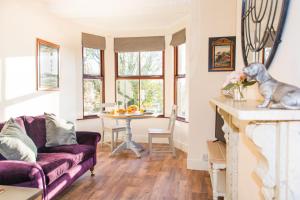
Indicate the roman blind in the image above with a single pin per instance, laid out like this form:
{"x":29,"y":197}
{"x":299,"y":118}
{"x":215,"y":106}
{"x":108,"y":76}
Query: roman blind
{"x":93,"y":41}
{"x":134,"y":44}
{"x":178,"y":38}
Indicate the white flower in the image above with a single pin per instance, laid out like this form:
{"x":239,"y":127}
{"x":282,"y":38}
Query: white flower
{"x":235,"y":77}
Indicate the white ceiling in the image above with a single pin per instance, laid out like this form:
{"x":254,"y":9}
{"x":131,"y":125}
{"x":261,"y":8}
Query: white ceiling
{"x":120,"y":14}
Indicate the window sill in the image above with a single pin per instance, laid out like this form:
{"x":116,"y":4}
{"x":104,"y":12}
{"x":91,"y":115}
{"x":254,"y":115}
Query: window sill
{"x":181,"y":119}
{"x":97,"y":117}
{"x":88,"y":117}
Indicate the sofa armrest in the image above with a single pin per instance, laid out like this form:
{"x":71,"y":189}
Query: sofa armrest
{"x":86,"y":137}
{"x":89,"y":138}
{"x":19,"y":172}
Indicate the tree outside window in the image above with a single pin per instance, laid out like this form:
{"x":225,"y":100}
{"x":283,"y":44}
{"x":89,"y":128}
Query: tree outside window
{"x":140,"y":80}
{"x":93,"y":81}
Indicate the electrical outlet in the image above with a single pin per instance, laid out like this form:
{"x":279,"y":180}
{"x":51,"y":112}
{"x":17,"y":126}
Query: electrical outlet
{"x":205,"y":157}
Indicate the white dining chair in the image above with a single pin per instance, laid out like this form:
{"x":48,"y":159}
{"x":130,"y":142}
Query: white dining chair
{"x":164,"y":133}
{"x":113,"y":128}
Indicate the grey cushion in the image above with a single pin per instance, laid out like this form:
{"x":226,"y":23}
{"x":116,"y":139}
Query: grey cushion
{"x":15,"y":143}
{"x":59,"y":131}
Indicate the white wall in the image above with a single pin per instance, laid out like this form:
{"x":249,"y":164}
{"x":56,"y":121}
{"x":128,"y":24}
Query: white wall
{"x":21,"y":23}
{"x":285,"y":67}
{"x":208,"y":19}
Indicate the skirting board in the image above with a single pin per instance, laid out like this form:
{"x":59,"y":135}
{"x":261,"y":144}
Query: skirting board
{"x":144,"y":139}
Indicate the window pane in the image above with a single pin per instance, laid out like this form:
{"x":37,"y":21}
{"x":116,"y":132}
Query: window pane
{"x":128,"y":64}
{"x":152,"y":95}
{"x":127,"y":92}
{"x":181,"y":59}
{"x":91,"y":59}
{"x":182,"y":97}
{"x":151,"y":63}
{"x":92,"y":96}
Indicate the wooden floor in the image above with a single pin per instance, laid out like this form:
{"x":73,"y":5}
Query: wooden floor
{"x":124,"y":177}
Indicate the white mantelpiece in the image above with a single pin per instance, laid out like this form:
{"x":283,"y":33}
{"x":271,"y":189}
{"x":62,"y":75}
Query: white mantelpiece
{"x":276,"y":135}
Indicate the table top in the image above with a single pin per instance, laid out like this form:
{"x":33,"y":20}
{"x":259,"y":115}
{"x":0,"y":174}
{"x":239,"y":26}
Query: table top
{"x":20,"y":193}
{"x":128,"y":116}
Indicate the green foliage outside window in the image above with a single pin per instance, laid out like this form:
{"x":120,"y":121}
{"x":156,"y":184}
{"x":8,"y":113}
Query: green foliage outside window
{"x":142,"y":89}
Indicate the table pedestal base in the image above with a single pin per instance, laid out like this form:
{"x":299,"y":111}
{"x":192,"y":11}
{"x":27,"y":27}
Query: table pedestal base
{"x":131,"y":145}
{"x":128,"y":143}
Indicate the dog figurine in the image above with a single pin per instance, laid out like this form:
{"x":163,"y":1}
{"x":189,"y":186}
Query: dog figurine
{"x":281,"y":95}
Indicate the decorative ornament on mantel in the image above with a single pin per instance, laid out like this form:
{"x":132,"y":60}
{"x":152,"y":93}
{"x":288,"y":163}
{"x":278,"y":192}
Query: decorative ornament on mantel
{"x":235,"y":86}
{"x":277,"y":95}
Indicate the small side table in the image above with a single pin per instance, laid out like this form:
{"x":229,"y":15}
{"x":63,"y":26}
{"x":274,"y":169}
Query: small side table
{"x":20,"y":193}
{"x":217,"y":167}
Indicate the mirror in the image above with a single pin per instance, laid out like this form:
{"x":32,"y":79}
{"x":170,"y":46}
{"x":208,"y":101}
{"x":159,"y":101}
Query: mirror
{"x":262,"y":25}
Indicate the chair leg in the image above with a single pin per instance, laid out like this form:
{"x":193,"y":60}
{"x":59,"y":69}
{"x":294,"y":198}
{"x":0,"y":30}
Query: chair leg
{"x":150,"y":144}
{"x":112,"y":143}
{"x":102,"y":138}
{"x":117,"y":137}
{"x":171,"y":142}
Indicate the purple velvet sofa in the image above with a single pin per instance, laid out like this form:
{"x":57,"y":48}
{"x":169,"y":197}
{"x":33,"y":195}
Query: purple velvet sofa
{"x":56,"y":167}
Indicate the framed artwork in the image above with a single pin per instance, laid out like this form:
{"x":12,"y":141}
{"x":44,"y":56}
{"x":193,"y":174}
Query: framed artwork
{"x":221,"y":54}
{"x":47,"y":65}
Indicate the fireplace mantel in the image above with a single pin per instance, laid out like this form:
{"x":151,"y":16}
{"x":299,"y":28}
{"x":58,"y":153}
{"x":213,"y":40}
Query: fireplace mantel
{"x":247,"y":111}
{"x":276,"y":136}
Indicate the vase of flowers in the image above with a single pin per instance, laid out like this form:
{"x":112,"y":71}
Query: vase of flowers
{"x":236,"y":85}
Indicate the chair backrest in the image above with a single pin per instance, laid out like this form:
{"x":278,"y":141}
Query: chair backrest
{"x":106,"y":107}
{"x":172,"y":120}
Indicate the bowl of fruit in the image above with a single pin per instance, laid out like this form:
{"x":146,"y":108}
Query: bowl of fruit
{"x":132,"y":109}
{"x":120,"y":111}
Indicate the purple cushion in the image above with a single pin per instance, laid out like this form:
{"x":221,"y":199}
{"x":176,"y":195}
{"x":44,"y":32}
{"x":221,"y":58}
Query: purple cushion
{"x":55,"y":161}
{"x":82,"y":151}
{"x":36,"y":130}
{"x":55,"y":165}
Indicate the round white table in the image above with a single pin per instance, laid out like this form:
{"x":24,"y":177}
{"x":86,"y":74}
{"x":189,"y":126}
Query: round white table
{"x":128,"y":142}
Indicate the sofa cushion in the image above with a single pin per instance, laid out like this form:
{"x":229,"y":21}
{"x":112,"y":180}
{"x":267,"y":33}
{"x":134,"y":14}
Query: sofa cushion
{"x":82,"y":151}
{"x":59,"y":131}
{"x":55,"y":165}
{"x":19,"y":121}
{"x":36,"y":129}
{"x":55,"y":161}
{"x":15,"y":143}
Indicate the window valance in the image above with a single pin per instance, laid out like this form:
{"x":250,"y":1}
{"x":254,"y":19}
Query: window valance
{"x":178,"y":38}
{"x":93,"y":41}
{"x":134,"y":44}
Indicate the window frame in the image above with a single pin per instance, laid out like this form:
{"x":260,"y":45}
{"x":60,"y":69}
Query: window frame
{"x":95,"y":77}
{"x":177,"y":76}
{"x":141,"y":77}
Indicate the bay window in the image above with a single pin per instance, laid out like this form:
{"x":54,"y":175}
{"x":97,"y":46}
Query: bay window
{"x":93,"y":81}
{"x":180,"y":83}
{"x":140,"y":80}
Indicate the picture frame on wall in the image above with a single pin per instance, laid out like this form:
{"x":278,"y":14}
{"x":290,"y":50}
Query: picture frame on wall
{"x":221,"y":54}
{"x":47,"y":65}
